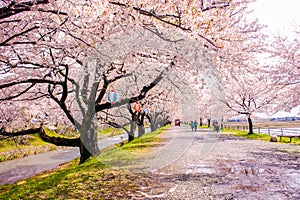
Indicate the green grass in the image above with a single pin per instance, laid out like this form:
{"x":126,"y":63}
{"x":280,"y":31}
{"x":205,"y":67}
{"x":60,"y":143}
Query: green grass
{"x":287,"y":140}
{"x":148,"y":140}
{"x":109,"y":131}
{"x":127,"y":155}
{"x":22,"y":146}
{"x":53,"y":133}
{"x":257,"y":136}
{"x":92,"y":180}
{"x":23,"y":142}
{"x":204,"y":126}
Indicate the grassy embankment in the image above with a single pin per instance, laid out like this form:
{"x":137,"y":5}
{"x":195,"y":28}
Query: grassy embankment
{"x":95,"y":179}
{"x":22,"y":146}
{"x":267,"y":124}
{"x":262,"y":137}
{"x":257,"y":136}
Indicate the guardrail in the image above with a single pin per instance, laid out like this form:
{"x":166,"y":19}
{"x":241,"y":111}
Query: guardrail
{"x":269,"y":131}
{"x":235,"y":127}
{"x":278,"y":131}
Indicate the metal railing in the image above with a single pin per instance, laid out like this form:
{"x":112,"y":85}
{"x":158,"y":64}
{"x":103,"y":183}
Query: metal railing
{"x":264,"y":130}
{"x":278,"y":131}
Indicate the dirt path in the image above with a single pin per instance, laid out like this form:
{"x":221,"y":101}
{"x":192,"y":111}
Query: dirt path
{"x":202,"y":165}
{"x":208,"y":165}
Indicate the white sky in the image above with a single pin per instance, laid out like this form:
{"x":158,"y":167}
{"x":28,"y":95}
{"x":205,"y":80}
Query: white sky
{"x":279,"y":15}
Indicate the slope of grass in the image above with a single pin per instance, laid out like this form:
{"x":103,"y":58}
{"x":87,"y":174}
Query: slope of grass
{"x":257,"y":136}
{"x":109,"y":132}
{"x":23,"y":146}
{"x":127,"y":155}
{"x":92,"y":180}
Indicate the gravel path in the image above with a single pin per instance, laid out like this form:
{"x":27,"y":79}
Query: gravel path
{"x":207,"y":165}
{"x":199,"y":165}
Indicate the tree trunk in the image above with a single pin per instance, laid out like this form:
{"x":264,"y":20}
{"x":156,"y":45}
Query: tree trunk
{"x":132,"y":130}
{"x":141,"y":127}
{"x":155,"y":123}
{"x":250,"y":126}
{"x":130,"y":137}
{"x":88,"y":146}
{"x":208,"y":123}
{"x":141,"y":130}
{"x":152,"y":127}
{"x":88,"y":140}
{"x":84,"y":153}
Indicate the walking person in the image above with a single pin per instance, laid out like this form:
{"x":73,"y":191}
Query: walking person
{"x":192,"y":124}
{"x":196,"y":124}
{"x":216,"y":126}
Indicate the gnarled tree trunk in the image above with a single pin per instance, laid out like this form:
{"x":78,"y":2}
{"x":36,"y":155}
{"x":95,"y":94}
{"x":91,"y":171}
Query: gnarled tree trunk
{"x":132,"y":130}
{"x":141,"y":130}
{"x":84,"y":153}
{"x":141,"y":127}
{"x":250,"y":125}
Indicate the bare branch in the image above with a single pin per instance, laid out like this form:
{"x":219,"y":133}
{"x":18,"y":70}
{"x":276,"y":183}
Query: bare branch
{"x":151,"y":13}
{"x":215,"y":5}
{"x":4,"y":43}
{"x":58,"y":141}
{"x":32,"y":80}
{"x":15,"y":8}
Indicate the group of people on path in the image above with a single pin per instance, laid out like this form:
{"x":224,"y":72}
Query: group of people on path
{"x":194,"y":125}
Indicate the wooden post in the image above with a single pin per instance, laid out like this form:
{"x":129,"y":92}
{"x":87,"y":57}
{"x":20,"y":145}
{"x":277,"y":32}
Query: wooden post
{"x":281,"y":134}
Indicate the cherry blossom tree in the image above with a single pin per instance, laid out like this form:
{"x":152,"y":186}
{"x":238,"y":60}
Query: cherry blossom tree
{"x":45,"y":44}
{"x":149,"y":66}
{"x":248,"y":94}
{"x":285,"y":70}
{"x":130,"y":86}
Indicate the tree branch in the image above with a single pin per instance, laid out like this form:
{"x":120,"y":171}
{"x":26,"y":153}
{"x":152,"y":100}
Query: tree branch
{"x":4,"y":43}
{"x":58,"y":141}
{"x":215,"y":5}
{"x":152,"y":13}
{"x":134,"y":99}
{"x":32,"y":80}
{"x":15,"y":8}
{"x":19,"y":93}
{"x":210,"y":41}
{"x":115,"y":125}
